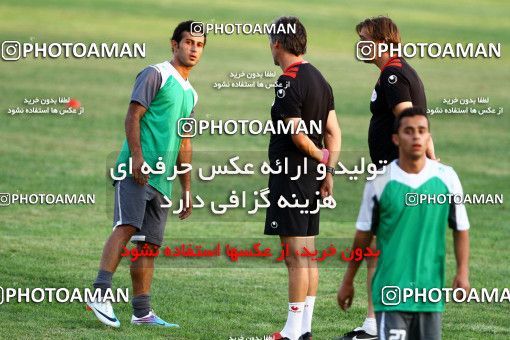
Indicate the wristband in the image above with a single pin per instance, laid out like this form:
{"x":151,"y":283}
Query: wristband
{"x":325,"y":156}
{"x":331,"y":170}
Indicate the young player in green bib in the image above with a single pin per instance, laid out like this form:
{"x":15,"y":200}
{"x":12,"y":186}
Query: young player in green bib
{"x":411,"y":235}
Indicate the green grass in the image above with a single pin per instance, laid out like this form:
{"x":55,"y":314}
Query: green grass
{"x":59,"y":246}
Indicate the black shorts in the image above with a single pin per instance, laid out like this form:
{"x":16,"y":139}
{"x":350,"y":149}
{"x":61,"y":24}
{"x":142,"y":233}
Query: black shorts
{"x":409,"y":325}
{"x":293,"y":221}
{"x":140,"y":206}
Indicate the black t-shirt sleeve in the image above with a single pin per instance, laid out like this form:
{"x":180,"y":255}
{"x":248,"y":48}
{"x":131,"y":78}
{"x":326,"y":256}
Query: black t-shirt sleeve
{"x":395,"y":86}
{"x":331,"y":101}
{"x":287,"y":101}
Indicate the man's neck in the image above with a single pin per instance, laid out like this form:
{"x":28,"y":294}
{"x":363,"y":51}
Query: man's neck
{"x":380,"y":62}
{"x":289,"y":59}
{"x":412,"y":166}
{"x":183,"y":70}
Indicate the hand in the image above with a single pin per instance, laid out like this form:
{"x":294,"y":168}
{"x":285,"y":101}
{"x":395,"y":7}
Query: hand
{"x":345,"y":295}
{"x":327,"y":186}
{"x":430,"y":152}
{"x":461,"y":281}
{"x":139,"y":178}
{"x":188,"y":205}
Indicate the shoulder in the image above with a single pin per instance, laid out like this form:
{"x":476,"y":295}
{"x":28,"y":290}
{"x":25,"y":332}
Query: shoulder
{"x":440,"y":168}
{"x":380,"y":182}
{"x":149,"y":77}
{"x":298,"y":71}
{"x":150,"y":74}
{"x":446,"y":173}
{"x":392,"y":74}
{"x":149,"y":71}
{"x":165,"y":71}
{"x":292,"y":70}
{"x":161,"y":67}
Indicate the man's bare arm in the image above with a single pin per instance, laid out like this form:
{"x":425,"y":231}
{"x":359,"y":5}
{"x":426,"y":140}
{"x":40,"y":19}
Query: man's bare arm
{"x":333,"y":138}
{"x":332,"y":142}
{"x":397,"y":109}
{"x":461,"y":244}
{"x":184,"y":157}
{"x":304,"y":143}
{"x":345,"y":294}
{"x":132,"y":126}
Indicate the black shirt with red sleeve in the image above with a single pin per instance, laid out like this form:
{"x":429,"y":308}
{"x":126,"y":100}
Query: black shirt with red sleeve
{"x":397,"y":83}
{"x":302,"y":92}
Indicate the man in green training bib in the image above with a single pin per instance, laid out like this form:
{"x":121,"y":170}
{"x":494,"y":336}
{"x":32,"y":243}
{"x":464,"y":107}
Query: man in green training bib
{"x":162,"y":96}
{"x":411,"y":235}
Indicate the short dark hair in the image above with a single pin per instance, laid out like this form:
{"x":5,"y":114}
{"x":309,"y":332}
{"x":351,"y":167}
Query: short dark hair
{"x":380,"y":28}
{"x":410,"y":112}
{"x":186,"y":26}
{"x":292,"y":42}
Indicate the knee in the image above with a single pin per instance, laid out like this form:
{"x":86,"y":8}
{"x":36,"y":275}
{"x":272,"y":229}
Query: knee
{"x":147,"y":246}
{"x":126,"y":231}
{"x":296,"y":261}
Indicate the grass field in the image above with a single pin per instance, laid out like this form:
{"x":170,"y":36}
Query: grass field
{"x":60,"y":246}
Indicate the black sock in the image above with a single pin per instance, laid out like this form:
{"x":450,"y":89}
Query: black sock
{"x":103,"y":281}
{"x":141,"y":305}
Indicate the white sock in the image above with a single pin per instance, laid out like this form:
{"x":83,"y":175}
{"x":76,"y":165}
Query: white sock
{"x":306,"y":325}
{"x":370,"y":326}
{"x":292,"y":329}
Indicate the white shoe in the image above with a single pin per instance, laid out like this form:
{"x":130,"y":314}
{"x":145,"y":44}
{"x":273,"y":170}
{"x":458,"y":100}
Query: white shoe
{"x":151,"y":319}
{"x":104,"y":312}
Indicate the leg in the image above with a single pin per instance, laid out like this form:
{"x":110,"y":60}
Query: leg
{"x":109,"y":262}
{"x":313,"y":284}
{"x":113,"y":247}
{"x":111,"y":256}
{"x":313,"y":270}
{"x":128,"y":212}
{"x":297,"y":267}
{"x":142,"y":271}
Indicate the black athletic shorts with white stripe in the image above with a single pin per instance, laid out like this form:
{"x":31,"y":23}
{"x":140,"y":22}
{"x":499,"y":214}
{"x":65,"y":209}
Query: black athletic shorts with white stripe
{"x":140,"y":206}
